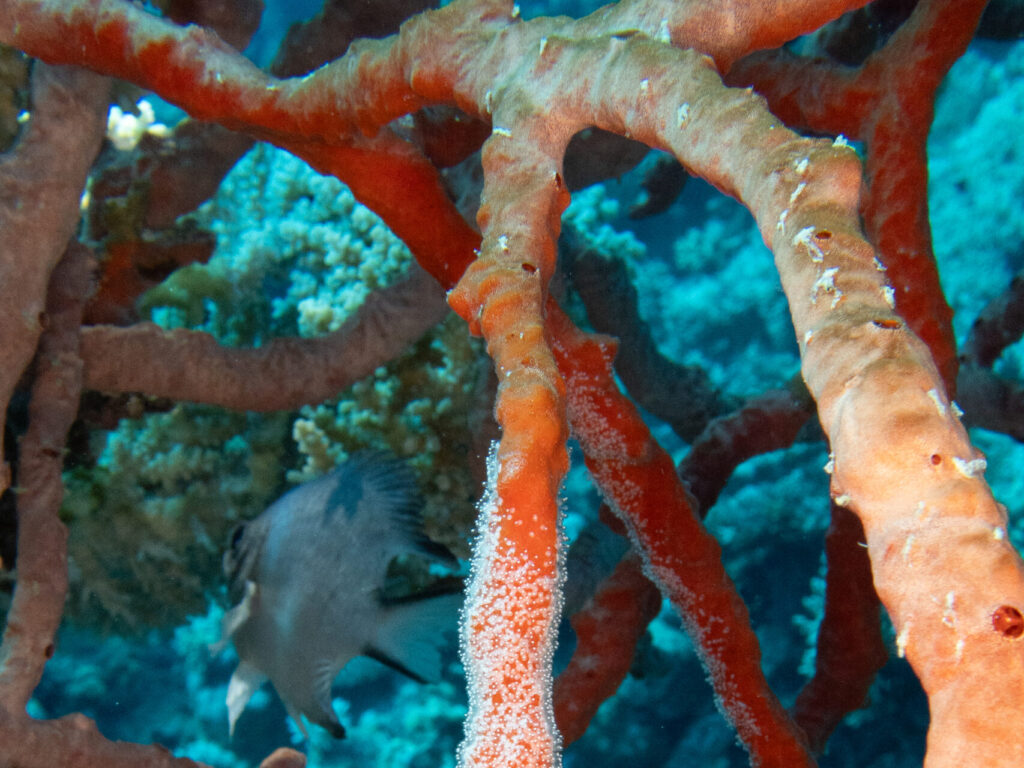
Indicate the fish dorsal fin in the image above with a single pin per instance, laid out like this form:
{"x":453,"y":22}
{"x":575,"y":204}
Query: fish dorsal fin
{"x":372,"y":483}
{"x":411,"y":634}
{"x":244,"y":682}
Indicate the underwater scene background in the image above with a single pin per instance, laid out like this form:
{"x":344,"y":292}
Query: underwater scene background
{"x":151,"y":501}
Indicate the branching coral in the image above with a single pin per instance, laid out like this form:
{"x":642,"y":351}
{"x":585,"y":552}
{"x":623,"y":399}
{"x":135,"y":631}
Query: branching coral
{"x":902,"y":462}
{"x":170,"y":486}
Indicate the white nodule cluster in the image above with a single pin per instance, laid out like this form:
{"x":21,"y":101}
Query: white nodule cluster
{"x":126,"y":129}
{"x":504,"y":725}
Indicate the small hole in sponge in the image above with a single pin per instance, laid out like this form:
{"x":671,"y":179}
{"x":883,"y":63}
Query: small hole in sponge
{"x":1008,"y":621}
{"x":887,"y":323}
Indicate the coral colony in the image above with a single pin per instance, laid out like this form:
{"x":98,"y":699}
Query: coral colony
{"x":180,"y":344}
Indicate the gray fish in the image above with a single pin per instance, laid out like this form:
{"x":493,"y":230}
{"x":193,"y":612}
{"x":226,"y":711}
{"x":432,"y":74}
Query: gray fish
{"x":312,"y":568}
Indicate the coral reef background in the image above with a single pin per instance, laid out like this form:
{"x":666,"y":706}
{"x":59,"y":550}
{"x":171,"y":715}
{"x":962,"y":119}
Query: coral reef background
{"x":150,"y":508}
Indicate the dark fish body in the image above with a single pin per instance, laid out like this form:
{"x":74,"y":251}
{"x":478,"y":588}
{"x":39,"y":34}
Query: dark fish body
{"x":312,"y":568}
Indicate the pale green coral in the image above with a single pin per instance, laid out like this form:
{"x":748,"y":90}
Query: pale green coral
{"x":590,"y":214}
{"x":188,"y":290}
{"x":149,"y":521}
{"x":296,"y":255}
{"x":301,"y":253}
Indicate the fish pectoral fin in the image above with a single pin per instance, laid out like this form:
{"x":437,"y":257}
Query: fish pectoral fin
{"x":244,"y":682}
{"x":236,"y":617}
{"x":411,"y":634}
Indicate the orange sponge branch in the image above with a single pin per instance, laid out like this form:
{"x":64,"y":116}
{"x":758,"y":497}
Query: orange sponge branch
{"x":639,"y":481}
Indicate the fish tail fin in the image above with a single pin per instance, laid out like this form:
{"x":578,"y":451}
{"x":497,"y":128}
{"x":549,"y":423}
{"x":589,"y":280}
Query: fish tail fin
{"x":412,"y":633}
